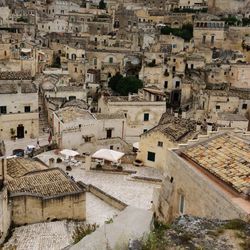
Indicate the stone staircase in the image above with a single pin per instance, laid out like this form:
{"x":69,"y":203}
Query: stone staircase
{"x":43,"y":118}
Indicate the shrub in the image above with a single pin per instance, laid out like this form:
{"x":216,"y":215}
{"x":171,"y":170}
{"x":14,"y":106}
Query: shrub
{"x":83,"y":230}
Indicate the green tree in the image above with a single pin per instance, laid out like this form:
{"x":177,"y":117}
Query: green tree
{"x":102,"y":5}
{"x":125,"y":85}
{"x":113,"y":82}
{"x":186,"y":32}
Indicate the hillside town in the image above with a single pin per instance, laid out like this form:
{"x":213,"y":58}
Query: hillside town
{"x":124,"y":124}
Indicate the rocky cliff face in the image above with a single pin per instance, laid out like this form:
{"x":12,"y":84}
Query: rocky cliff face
{"x":189,"y":232}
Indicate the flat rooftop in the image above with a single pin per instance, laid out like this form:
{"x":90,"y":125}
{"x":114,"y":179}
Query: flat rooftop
{"x":225,"y":156}
{"x":45,"y":183}
{"x":71,"y":113}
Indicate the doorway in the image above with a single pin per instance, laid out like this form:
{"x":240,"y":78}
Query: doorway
{"x":20,"y":131}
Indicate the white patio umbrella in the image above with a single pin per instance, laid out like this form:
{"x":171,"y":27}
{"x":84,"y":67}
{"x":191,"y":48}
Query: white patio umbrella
{"x":69,"y":153}
{"x":108,"y":154}
{"x":136,"y":145}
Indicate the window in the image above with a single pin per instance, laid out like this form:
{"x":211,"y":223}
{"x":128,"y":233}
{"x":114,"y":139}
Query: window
{"x":174,"y":60}
{"x":111,"y":147}
{"x":125,"y":114}
{"x":204,"y":39}
{"x":111,"y":60}
{"x":87,"y":139}
{"x":217,"y":107}
{"x":109,"y":133}
{"x":146,"y":116}
{"x":151,"y":156}
{"x":160,"y":144}
{"x":72,"y":97}
{"x":75,"y":70}
{"x":212,"y":40}
{"x":244,"y":106}
{"x":3,"y":110}
{"x":181,"y":204}
{"x":177,"y":84}
{"x":166,"y":84}
{"x":145,"y":130}
{"x":95,"y":61}
{"x":26,"y":109}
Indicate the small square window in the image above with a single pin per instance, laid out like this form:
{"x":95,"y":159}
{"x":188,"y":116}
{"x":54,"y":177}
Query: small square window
{"x":217,"y":107}
{"x":160,"y":144}
{"x":145,"y":130}
{"x":146,"y":116}
{"x":244,"y":106}
{"x":3,"y":110}
{"x":26,"y":109}
{"x":151,"y":156}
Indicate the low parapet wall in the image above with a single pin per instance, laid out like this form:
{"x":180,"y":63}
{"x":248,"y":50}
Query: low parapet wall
{"x":109,"y":199}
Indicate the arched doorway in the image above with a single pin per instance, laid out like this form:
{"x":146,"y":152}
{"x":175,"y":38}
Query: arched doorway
{"x":20,"y":131}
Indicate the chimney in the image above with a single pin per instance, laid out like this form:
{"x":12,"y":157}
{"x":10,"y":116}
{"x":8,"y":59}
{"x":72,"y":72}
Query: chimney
{"x":87,"y":161}
{"x":51,"y":162}
{"x":184,"y":114}
{"x":209,"y":127}
{"x":198,"y":126}
{"x":87,"y":4}
{"x":129,"y":97}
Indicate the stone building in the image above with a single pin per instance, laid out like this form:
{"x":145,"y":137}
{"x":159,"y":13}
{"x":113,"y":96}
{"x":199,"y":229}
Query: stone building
{"x":44,"y":196}
{"x":78,"y":128}
{"x":18,"y":109}
{"x":167,"y":134}
{"x":142,"y":111}
{"x":209,"y":33}
{"x":229,"y":6}
{"x":208,"y":178}
{"x":5,"y":210}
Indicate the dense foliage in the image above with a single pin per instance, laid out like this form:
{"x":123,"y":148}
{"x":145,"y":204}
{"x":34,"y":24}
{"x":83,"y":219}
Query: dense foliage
{"x":186,"y":32}
{"x":125,"y":85}
{"x":102,"y":5}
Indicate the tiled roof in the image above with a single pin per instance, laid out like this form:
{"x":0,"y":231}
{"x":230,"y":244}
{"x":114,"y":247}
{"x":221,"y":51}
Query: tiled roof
{"x":17,"y":167}
{"x":225,"y":156}
{"x":100,"y":116}
{"x":18,"y":75}
{"x":46,"y":183}
{"x":175,"y":128}
{"x":13,"y":88}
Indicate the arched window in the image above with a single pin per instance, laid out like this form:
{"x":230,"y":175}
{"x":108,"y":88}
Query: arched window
{"x":73,"y":57}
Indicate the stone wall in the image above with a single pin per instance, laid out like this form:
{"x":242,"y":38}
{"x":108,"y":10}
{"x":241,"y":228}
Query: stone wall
{"x":33,"y":209}
{"x":202,"y":197}
{"x":5,"y":214}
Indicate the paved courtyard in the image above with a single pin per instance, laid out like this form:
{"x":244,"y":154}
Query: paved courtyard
{"x":57,"y":235}
{"x":132,"y":192}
